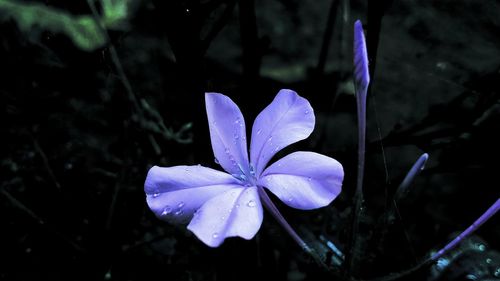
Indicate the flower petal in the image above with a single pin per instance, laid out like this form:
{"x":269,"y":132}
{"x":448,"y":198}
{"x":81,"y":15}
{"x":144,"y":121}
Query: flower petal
{"x":288,"y":119}
{"x":304,"y":180}
{"x":227,"y":133}
{"x":237,"y":212}
{"x":175,"y":193}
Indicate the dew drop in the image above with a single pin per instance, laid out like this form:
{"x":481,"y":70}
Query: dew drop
{"x":306,"y":112}
{"x":156,"y":195}
{"x":222,"y":218}
{"x":216,"y":161}
{"x":270,"y":139}
{"x":215,"y":235}
{"x":252,"y":170}
{"x":259,"y":132}
{"x":251,"y":203}
{"x":166,"y":211}
{"x":290,"y":199}
{"x":178,"y":212}
{"x":309,"y":179}
{"x":237,"y":205}
{"x":181,"y":204}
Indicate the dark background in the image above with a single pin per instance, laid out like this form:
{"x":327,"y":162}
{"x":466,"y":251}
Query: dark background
{"x":81,"y":127}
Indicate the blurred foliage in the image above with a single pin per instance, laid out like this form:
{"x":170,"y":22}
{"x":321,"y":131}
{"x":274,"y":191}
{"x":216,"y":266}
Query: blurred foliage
{"x":83,"y":30}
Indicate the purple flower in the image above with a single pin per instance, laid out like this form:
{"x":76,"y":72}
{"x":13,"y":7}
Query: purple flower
{"x":218,"y":205}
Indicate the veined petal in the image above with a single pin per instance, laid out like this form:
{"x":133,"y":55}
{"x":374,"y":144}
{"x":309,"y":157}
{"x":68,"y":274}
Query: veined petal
{"x":237,"y":212}
{"x":304,"y":180}
{"x":288,"y":119}
{"x":227,"y":133}
{"x":175,"y":193}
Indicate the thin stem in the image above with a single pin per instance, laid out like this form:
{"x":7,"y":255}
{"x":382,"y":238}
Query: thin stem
{"x":271,"y":208}
{"x":482,"y":219}
{"x":46,"y":163}
{"x":428,"y":261}
{"x":327,"y":36}
{"x":269,"y":205}
{"x":116,"y":60}
{"x":361,"y":83}
{"x":21,"y":206}
{"x":358,"y":196}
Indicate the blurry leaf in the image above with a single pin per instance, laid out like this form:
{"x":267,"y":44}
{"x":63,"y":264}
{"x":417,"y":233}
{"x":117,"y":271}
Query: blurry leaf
{"x":115,"y":13}
{"x":82,"y":30}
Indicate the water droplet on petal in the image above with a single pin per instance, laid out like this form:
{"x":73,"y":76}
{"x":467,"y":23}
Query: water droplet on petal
{"x":252,"y":170}
{"x":309,"y":179}
{"x":178,"y":212}
{"x":270,"y":139}
{"x":216,"y":161}
{"x":166,"y":211}
{"x":156,"y":195}
{"x":290,"y":199}
{"x":259,"y":132}
{"x":222,"y":218}
{"x":306,"y":112}
{"x":181,"y":204}
{"x":251,"y":203}
{"x":215,"y":235}
{"x":237,"y":205}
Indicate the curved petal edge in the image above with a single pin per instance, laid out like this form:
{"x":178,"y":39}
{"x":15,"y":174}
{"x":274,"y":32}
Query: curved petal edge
{"x":288,"y":119}
{"x":304,"y":180}
{"x":237,"y":212}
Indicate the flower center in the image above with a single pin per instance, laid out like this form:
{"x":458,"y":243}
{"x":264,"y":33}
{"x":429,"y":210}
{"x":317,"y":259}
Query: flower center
{"x":247,"y":178}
